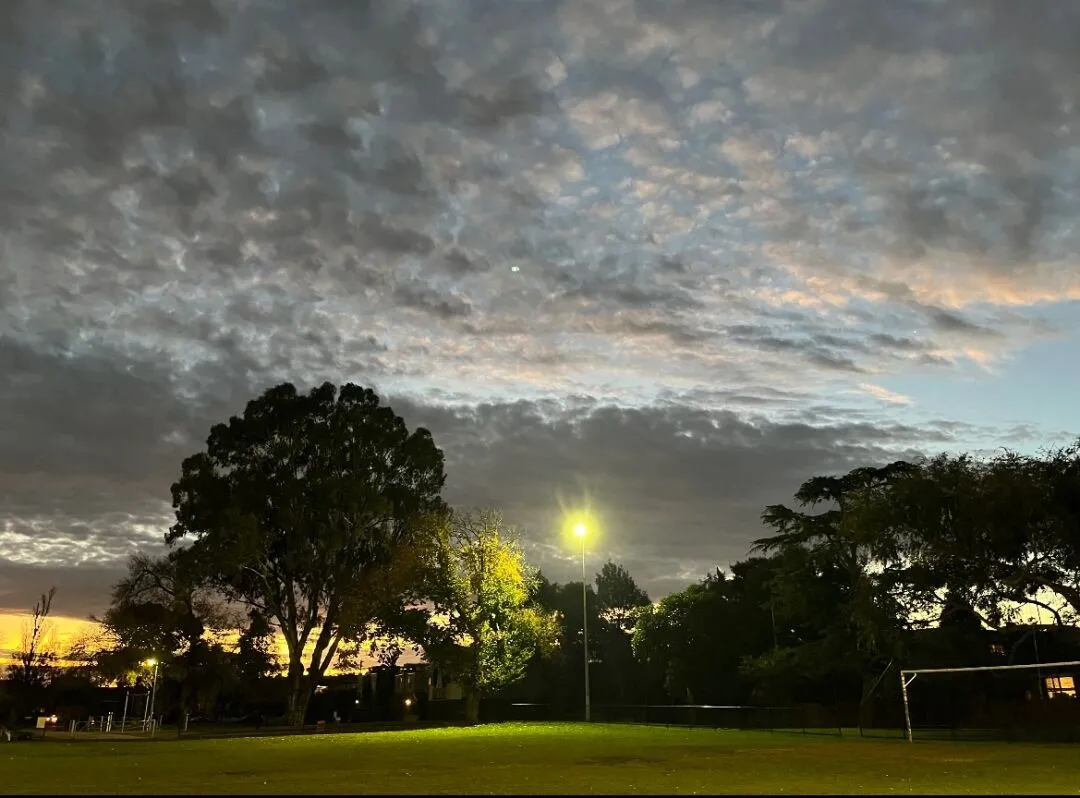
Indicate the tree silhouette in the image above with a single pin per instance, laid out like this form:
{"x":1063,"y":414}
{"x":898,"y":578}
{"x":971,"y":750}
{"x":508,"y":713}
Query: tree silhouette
{"x":35,"y":661}
{"x":293,"y":506}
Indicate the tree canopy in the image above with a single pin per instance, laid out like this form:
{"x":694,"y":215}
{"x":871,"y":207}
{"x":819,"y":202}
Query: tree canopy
{"x":618,"y":596}
{"x":472,"y":614}
{"x":293,"y":505}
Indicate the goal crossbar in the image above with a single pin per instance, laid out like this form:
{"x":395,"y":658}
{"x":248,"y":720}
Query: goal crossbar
{"x":905,"y":681}
{"x":917,"y":671}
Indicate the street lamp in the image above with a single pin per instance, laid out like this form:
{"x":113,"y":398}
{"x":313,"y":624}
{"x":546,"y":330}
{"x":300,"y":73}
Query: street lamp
{"x":153,"y":692}
{"x":580,"y":530}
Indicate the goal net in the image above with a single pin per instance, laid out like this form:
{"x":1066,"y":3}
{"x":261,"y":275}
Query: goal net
{"x":1011,"y":702}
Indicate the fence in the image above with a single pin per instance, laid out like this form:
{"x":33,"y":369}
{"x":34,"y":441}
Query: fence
{"x":108,"y":726}
{"x":1056,"y":720}
{"x":1047,"y":720}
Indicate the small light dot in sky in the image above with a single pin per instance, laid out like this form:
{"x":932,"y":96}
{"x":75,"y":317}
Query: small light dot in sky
{"x":515,"y":268}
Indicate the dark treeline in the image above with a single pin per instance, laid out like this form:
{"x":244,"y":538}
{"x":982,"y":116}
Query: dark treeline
{"x":317,"y":520}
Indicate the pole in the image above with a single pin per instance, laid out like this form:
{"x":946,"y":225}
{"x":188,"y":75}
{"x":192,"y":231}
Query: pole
{"x":1035,"y":642}
{"x":904,"y":682}
{"x":585,"y":630}
{"x":153,"y":693}
{"x":123,"y":722}
{"x":772,"y":615}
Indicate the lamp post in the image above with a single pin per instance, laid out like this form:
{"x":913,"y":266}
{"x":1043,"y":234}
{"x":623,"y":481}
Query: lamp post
{"x":580,"y":531}
{"x":153,"y":690}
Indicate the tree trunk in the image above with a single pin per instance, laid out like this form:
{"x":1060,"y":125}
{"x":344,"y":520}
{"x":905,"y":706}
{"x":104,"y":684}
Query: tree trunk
{"x":472,"y":706}
{"x":299,"y":694}
{"x":185,"y":701}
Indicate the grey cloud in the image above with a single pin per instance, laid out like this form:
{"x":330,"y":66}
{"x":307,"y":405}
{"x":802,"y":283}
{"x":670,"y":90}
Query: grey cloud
{"x":378,"y":234}
{"x":753,"y":397}
{"x":953,"y":322}
{"x":902,"y":344}
{"x":198,"y":199}
{"x":80,"y":591}
{"x":962,"y":113}
{"x":951,"y":218}
{"x":670,"y":484}
{"x":677,"y":487}
{"x":254,"y":144}
{"x":518,"y":97}
{"x":678,"y":334}
{"x":460,"y":263}
{"x":418,"y":295}
{"x":99,"y":438}
{"x":814,"y":351}
{"x":89,"y":478}
{"x":86,"y":414}
{"x":628,"y":290}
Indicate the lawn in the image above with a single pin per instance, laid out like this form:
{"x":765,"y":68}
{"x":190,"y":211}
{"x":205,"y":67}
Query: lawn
{"x":539,"y":758}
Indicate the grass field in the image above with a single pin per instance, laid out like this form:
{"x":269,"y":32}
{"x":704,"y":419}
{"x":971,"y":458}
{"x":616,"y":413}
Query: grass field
{"x":539,"y":758}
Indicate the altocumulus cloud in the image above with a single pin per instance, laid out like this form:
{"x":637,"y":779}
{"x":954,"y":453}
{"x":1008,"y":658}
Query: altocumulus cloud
{"x":660,"y":253}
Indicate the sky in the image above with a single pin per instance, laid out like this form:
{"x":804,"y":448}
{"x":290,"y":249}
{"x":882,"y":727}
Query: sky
{"x":668,"y":258}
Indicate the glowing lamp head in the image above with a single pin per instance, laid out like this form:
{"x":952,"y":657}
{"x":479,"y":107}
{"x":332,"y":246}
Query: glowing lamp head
{"x":408,"y":702}
{"x":151,"y":662}
{"x":580,"y":530}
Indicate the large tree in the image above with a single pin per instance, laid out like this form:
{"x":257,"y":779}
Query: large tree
{"x":996,"y":534}
{"x":473,"y":615}
{"x":295,"y":504}
{"x":838,"y":575}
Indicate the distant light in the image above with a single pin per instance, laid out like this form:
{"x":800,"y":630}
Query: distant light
{"x":408,"y":702}
{"x":357,"y":701}
{"x":515,"y":268}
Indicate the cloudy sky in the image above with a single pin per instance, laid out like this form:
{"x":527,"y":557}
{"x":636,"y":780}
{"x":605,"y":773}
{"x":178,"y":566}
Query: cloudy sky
{"x":673,"y":256}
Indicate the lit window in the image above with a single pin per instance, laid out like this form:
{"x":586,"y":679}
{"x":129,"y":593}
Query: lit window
{"x":1060,"y":687}
{"x":997,"y":648}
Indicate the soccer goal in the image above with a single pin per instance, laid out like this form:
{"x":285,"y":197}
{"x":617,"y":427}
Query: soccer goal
{"x":1007,"y":699}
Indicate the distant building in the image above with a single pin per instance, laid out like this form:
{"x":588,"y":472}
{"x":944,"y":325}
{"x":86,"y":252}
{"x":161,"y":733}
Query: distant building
{"x":416,"y":679}
{"x":381,"y":693}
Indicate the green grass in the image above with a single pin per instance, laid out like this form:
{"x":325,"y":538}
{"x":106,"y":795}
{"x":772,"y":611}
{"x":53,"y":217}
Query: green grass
{"x":539,"y":758}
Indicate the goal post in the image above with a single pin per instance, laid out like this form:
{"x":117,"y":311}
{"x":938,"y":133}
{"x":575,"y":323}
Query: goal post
{"x":908,"y":675}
